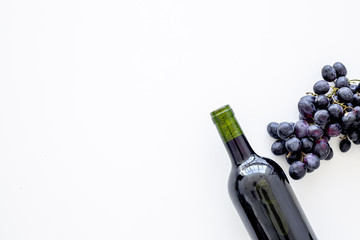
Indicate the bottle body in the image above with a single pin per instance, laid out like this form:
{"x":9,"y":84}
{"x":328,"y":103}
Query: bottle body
{"x":259,"y":188}
{"x":262,"y":196}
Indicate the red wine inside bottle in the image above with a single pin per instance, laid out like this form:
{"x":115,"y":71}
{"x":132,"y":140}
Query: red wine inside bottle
{"x":259,"y":188}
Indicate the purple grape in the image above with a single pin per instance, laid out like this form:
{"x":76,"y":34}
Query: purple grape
{"x":330,"y":155}
{"x":328,"y":73}
{"x":321,"y":87}
{"x":356,"y":99}
{"x":321,"y":148}
{"x":293,"y":144}
{"x":300,"y":128}
{"x":353,"y":87}
{"x":278,"y":147}
{"x":314,"y":131}
{"x":285,"y":129}
{"x":340,"y":69}
{"x":356,"y":110}
{"x":297,"y":170}
{"x":345,"y":145}
{"x":322,"y":117}
{"x":293,"y":156}
{"x":306,"y":145}
{"x":272,"y":130}
{"x":333,"y":129}
{"x":348,"y":119}
{"x":311,"y":161}
{"x":345,"y":94}
{"x":342,"y":82}
{"x":306,"y":108}
{"x":353,"y":135}
{"x":321,"y":101}
{"x":308,"y":97}
{"x":336,"y":111}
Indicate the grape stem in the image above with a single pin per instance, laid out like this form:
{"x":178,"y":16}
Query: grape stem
{"x":313,"y":94}
{"x":302,"y":157}
{"x":343,"y":137}
{"x":334,"y":90}
{"x":341,"y":104}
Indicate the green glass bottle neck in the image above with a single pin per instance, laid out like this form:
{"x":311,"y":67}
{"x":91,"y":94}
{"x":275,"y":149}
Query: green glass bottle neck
{"x":234,"y":140}
{"x":226,"y":123}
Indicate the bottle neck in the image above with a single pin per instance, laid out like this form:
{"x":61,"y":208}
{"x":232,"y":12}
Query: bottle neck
{"x":234,"y":140}
{"x":239,"y":149}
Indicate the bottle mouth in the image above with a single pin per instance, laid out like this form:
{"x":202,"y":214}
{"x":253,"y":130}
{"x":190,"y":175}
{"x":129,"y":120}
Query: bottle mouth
{"x":220,"y":114}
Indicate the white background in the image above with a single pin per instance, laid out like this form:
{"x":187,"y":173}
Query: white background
{"x":105,"y":130}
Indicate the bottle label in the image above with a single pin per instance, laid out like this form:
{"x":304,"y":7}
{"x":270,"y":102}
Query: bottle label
{"x":229,"y":128}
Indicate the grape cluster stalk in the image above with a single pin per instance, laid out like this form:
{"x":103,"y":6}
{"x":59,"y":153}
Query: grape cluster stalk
{"x":331,"y":110}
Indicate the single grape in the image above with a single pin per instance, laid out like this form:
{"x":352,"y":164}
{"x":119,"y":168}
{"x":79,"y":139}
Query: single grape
{"x":328,"y":73}
{"x":336,"y":111}
{"x":356,"y":110}
{"x":278,"y":147}
{"x":333,"y":129}
{"x":330,"y":155}
{"x":314,"y":131}
{"x":340,"y":69}
{"x":293,"y":156}
{"x":345,"y":94}
{"x":312,"y":161}
{"x":356,"y":99}
{"x":322,"y":117}
{"x":342,"y":82}
{"x":300,"y":128}
{"x":297,"y":170}
{"x":321,"y":101}
{"x":345,"y":145}
{"x":285,"y":129}
{"x":272,"y":129}
{"x":293,"y":144}
{"x":321,"y":148}
{"x":348,"y":119}
{"x":306,"y":108}
{"x":308,"y":97}
{"x":321,"y":87}
{"x":306,"y":145}
{"x":353,"y":88}
{"x":353,"y":135}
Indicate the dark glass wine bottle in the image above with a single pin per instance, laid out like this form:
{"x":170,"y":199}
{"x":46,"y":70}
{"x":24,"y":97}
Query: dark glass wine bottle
{"x":259,"y":188}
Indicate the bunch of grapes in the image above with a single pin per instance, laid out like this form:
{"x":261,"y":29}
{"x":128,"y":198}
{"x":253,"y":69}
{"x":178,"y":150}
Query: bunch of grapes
{"x":332,"y":110}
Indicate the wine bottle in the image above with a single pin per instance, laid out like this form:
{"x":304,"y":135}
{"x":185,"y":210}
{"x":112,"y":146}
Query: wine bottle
{"x":259,"y":188}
